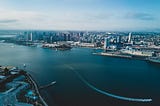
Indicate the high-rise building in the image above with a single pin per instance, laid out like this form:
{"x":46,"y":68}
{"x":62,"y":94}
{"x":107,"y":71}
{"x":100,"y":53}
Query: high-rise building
{"x":106,"y":42}
{"x":130,"y":37}
{"x":31,"y":37}
{"x":65,"y":37}
{"x":69,"y":37}
{"x":119,"y":38}
{"x":51,"y":39}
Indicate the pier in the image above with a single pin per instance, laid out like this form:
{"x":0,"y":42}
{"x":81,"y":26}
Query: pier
{"x":113,"y":55}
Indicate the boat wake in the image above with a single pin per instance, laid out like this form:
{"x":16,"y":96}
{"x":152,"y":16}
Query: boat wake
{"x":106,"y":93}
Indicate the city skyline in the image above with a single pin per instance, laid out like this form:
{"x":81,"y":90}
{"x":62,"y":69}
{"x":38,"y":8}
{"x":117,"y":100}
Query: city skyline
{"x":80,"y":15}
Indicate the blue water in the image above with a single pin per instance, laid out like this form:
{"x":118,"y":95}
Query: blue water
{"x":107,"y":93}
{"x":120,"y":77}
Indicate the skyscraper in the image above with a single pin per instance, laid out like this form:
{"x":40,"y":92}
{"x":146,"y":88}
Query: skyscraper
{"x":119,"y":39}
{"x":65,"y":37}
{"x":106,"y":42}
{"x":31,"y":37}
{"x":129,"y":37}
{"x":51,"y":39}
{"x":69,"y":37}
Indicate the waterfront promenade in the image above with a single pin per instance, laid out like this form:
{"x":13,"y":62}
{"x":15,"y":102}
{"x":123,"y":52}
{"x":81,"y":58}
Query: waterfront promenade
{"x":36,"y":89}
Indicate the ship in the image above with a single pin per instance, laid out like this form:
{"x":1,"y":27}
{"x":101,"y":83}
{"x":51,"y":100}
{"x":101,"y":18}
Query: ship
{"x":48,"y":85}
{"x":154,"y":60}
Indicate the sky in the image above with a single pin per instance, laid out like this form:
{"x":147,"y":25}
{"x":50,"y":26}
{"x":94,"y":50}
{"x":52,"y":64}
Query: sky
{"x":117,"y":15}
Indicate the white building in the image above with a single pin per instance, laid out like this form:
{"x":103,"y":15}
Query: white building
{"x":106,"y":42}
{"x":130,"y":37}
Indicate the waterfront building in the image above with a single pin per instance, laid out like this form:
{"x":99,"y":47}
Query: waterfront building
{"x":134,"y":52}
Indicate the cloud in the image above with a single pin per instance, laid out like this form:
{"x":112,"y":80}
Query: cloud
{"x":99,"y":16}
{"x":140,"y":16}
{"x":8,"y":20}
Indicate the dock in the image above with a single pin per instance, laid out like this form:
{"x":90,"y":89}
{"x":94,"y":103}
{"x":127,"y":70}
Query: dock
{"x":113,"y":55}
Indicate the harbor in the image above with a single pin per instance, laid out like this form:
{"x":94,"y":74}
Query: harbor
{"x":105,"y":73}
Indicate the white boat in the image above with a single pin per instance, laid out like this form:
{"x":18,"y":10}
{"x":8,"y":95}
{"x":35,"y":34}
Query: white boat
{"x":154,"y":60}
{"x":48,"y":85}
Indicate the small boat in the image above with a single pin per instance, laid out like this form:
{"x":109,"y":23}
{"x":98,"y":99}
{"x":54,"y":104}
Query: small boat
{"x":48,"y":85}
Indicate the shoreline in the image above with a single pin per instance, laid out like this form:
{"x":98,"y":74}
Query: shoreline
{"x":36,"y":87}
{"x":19,"y":87}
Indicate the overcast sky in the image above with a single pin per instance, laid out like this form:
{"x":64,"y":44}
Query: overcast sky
{"x":80,"y":14}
